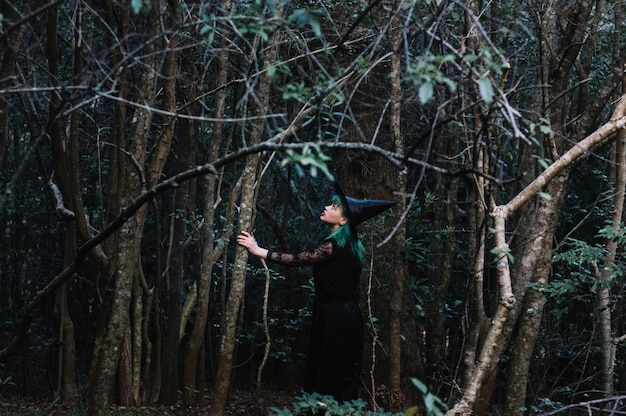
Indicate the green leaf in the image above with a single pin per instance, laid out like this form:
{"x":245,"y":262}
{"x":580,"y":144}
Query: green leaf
{"x":312,"y":157}
{"x":426,"y":91}
{"x":419,"y":384}
{"x":271,"y":71}
{"x":433,"y":405}
{"x":451,"y":85}
{"x":497,"y":251}
{"x":412,"y":411}
{"x":315,"y":25}
{"x":544,"y":162}
{"x":442,"y":59}
{"x":136,"y":5}
{"x":485,"y":87}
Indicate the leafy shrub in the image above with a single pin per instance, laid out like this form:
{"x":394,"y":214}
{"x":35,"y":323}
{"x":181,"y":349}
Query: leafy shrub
{"x":316,"y":404}
{"x":313,"y":404}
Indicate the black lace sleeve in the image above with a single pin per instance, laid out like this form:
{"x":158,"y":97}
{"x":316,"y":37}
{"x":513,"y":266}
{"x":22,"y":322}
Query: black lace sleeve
{"x":322,"y":252}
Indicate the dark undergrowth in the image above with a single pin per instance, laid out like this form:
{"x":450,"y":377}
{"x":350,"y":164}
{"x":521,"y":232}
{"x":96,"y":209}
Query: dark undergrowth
{"x":240,"y":403}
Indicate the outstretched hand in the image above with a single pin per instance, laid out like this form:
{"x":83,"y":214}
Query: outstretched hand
{"x":246,"y":240}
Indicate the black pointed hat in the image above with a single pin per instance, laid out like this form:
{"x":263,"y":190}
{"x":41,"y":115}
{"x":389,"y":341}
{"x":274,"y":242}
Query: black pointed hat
{"x":360,"y":210}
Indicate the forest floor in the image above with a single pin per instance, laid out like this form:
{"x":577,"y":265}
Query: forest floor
{"x":240,"y":403}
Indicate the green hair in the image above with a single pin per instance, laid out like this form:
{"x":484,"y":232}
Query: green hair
{"x":345,"y":235}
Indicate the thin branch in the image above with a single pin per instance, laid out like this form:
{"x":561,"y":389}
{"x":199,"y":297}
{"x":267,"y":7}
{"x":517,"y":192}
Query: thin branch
{"x":356,"y":23}
{"x":60,"y":209}
{"x":588,"y":405}
{"x":34,"y":14}
{"x":266,"y":330}
{"x":184,"y":116}
{"x":572,"y":156}
{"x":134,"y":162}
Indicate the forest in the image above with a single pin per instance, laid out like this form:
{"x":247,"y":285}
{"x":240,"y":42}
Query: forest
{"x":138,"y":138}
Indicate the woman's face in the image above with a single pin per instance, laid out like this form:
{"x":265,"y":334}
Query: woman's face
{"x":333,"y":216}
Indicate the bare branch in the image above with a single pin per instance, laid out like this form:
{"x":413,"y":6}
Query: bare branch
{"x":29,"y":17}
{"x":60,"y":208}
{"x":579,"y":150}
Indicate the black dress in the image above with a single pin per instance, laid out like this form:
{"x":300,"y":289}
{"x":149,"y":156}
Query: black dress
{"x":336,"y":343}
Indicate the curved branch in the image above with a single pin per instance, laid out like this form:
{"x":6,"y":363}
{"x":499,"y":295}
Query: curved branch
{"x":581,"y":149}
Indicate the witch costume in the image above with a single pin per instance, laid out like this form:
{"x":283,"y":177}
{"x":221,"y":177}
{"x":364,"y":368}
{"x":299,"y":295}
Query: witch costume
{"x":336,"y":338}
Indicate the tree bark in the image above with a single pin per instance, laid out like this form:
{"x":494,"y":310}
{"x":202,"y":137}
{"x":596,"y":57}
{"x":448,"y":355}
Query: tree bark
{"x":397,"y":293}
{"x":246,"y":215}
{"x":14,"y":41}
{"x":66,"y":385}
{"x":137,"y":337}
{"x":477,"y":225}
{"x":532,"y":264}
{"x":175,"y":276}
{"x":192,"y":375}
{"x":117,"y":15}
{"x":235,"y":294}
{"x":138,"y":174}
{"x":66,"y":382}
{"x":604,"y":308}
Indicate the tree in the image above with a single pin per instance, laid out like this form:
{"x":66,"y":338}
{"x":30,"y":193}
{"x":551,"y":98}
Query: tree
{"x":248,"y":200}
{"x":399,"y":265}
{"x":66,"y":386}
{"x":539,"y":270}
{"x":139,"y":170}
{"x":501,"y":249}
{"x":607,"y":273}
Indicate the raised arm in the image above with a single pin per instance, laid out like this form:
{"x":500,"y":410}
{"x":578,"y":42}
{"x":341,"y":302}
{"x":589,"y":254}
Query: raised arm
{"x":322,"y":252}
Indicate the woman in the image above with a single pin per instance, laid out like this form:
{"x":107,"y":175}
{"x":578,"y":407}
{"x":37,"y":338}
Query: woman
{"x":336,"y":342}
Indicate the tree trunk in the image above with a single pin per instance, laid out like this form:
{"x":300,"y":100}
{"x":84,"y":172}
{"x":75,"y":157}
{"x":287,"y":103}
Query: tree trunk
{"x":13,"y":45}
{"x":534,"y":265}
{"x":477,"y":225}
{"x":123,"y":393}
{"x":193,"y":374}
{"x":246,"y":213}
{"x":66,"y":385}
{"x":399,"y":276}
{"x":193,"y":371}
{"x":152,"y":376}
{"x":117,"y":16}
{"x":605,"y":326}
{"x":118,"y":321}
{"x":477,"y":222}
{"x":235,"y":295}
{"x":135,"y":181}
{"x":138,"y":319}
{"x":175,"y":273}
